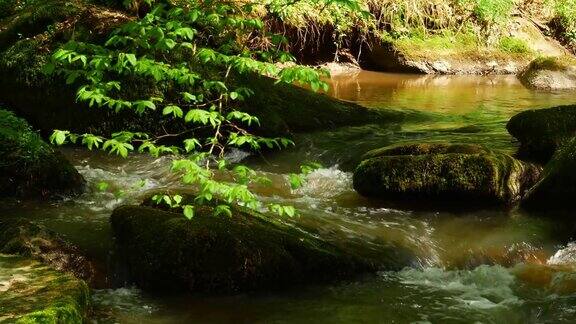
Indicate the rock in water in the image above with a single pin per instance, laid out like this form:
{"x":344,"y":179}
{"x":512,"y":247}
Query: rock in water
{"x":550,"y":73}
{"x":557,"y":188}
{"x":541,"y":131}
{"x":220,"y":254}
{"x":28,"y":166}
{"x":447,"y":173}
{"x":18,"y":236}
{"x":34,"y":293}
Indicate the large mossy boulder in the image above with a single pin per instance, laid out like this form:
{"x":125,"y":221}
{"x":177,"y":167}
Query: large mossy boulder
{"x":557,"y":188}
{"x":550,"y":73}
{"x":31,"y":292}
{"x":444,"y":173}
{"x":22,"y":237}
{"x":28,"y":166}
{"x":542,"y":131}
{"x":285,"y":108}
{"x":220,"y":254}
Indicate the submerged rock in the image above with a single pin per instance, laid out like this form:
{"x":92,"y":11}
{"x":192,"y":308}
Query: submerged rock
{"x":448,"y":173}
{"x":550,"y":73}
{"x":542,"y":131}
{"x":18,"y":236}
{"x":29,"y":166}
{"x":34,"y":293}
{"x":247,"y":251}
{"x":557,"y":188}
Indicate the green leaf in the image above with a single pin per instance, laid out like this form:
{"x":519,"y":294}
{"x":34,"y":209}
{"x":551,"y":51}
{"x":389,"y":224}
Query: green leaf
{"x":188,"y":211}
{"x":132,"y":59}
{"x":223,"y":209}
{"x":58,"y":137}
{"x":102,"y":186}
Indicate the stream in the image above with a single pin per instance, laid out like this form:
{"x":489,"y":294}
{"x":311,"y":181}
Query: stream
{"x":473,"y":265}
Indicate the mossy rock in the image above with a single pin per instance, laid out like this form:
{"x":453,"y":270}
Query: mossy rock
{"x":18,"y":236}
{"x":28,"y":166}
{"x":220,"y":254}
{"x":440,"y":173}
{"x":284,"y":108}
{"x":557,"y":188}
{"x":550,"y":73}
{"x":31,"y":292}
{"x":541,"y":131}
{"x":425,"y":148}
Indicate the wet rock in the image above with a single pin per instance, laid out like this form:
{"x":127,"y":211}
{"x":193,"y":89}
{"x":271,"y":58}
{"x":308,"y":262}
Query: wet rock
{"x":550,"y":73}
{"x":18,"y":236}
{"x":542,"y":131}
{"x":557,"y":188}
{"x":440,"y":172}
{"x":247,"y":251}
{"x":29,"y":167}
{"x":31,"y":292}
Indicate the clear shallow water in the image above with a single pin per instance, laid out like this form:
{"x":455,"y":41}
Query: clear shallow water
{"x":487,"y":266}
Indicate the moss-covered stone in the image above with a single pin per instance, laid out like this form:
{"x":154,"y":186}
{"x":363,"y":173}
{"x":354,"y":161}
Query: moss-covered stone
{"x":29,"y":166}
{"x":425,"y":148}
{"x":541,"y":131}
{"x":34,"y":293}
{"x":18,"y":236}
{"x":285,"y":108}
{"x":550,"y":73}
{"x":462,"y":173}
{"x":223,"y":254}
{"x":557,"y":188}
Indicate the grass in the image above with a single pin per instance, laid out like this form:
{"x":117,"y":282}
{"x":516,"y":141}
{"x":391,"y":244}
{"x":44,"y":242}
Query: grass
{"x":513,"y":45}
{"x":423,"y":25}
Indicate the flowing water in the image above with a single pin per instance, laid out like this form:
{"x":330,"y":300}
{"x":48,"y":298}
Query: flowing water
{"x":485,"y":266}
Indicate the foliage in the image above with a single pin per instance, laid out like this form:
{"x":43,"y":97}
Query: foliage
{"x":193,"y":52}
{"x":565,"y":11}
{"x":491,"y":12}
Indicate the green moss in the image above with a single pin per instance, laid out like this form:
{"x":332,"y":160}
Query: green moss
{"x":557,"y":188}
{"x":21,"y":237}
{"x":514,"y":45}
{"x":421,"y":44}
{"x":425,"y":148}
{"x":30,"y":167}
{"x":37,"y":294}
{"x":541,"y":131}
{"x":435,"y":173}
{"x":552,"y":63}
{"x":212,"y":254}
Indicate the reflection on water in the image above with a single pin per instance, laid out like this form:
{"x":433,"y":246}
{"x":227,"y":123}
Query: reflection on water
{"x":490,"y":266}
{"x":453,"y":94}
